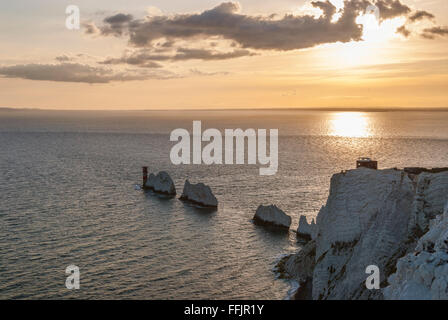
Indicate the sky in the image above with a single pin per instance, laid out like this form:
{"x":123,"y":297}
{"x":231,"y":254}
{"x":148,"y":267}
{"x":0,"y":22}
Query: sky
{"x":206,"y":54}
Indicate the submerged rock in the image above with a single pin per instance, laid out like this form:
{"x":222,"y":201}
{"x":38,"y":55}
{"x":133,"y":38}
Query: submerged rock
{"x":423,"y":274}
{"x":161,"y":183}
{"x":306,"y":231}
{"x":272,"y":216}
{"x":199,"y":194}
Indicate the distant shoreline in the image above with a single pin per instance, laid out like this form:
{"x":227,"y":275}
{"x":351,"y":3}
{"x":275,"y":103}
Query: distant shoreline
{"x":335,"y":109}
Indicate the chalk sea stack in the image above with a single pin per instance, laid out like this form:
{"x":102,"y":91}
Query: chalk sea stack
{"x":272,"y":216}
{"x":161,"y":183}
{"x":199,"y":194}
{"x":306,"y":231}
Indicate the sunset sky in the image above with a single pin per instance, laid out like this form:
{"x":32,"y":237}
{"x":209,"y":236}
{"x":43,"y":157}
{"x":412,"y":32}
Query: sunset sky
{"x":173,"y":54}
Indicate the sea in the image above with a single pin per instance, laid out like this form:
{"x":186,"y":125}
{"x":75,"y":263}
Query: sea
{"x":69,"y":195}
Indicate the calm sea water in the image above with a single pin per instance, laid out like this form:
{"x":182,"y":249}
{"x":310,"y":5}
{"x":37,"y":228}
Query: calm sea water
{"x":67,"y":197}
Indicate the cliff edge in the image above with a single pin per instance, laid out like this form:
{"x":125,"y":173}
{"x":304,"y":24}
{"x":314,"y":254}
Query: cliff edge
{"x":372,"y":217}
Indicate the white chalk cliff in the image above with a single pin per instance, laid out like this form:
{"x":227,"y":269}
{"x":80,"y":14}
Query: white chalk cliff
{"x":372,"y":217}
{"x":199,"y":194}
{"x":272,"y":215}
{"x":423,"y":274}
{"x":161,"y":183}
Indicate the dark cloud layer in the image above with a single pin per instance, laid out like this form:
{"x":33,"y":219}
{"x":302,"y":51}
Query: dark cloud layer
{"x":390,"y":9}
{"x":152,"y":35}
{"x":225,"y":21}
{"x":290,"y":32}
{"x":119,"y":19}
{"x":189,"y":54}
{"x":147,"y":58}
{"x":71,"y":72}
{"x":250,"y":32}
{"x":117,"y":23}
{"x":431,"y":33}
{"x":420,"y":15}
{"x":404,"y":31}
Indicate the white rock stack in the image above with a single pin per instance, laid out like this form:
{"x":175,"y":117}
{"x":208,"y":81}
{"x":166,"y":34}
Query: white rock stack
{"x":199,"y":194}
{"x":423,"y":274}
{"x":161,"y":183}
{"x":306,"y":231}
{"x":272,"y":216}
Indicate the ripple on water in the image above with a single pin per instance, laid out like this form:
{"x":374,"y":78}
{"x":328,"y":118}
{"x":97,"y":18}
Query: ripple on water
{"x":69,"y":198}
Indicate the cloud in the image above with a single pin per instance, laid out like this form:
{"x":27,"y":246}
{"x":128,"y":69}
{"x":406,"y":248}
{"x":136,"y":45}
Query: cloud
{"x":327,"y":8}
{"x":197,"y":72}
{"x":390,"y":9}
{"x":431,"y":33}
{"x":420,"y":15}
{"x":250,"y":32}
{"x":404,"y":31}
{"x":64,"y":58}
{"x":394,"y":8}
{"x":116,"y":24}
{"x":90,"y":28}
{"x":137,"y":59}
{"x":74,"y":72}
{"x":189,"y":54}
{"x":146,"y":58}
{"x":119,"y":19}
{"x":255,"y":32}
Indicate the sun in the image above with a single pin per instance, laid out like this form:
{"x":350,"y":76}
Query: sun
{"x":376,"y":36}
{"x":350,"y":124}
{"x":376,"y":31}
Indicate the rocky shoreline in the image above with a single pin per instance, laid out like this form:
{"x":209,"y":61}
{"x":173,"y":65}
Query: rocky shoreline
{"x":387,"y":218}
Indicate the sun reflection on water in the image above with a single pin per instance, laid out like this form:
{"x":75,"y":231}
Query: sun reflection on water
{"x":350,"y":124}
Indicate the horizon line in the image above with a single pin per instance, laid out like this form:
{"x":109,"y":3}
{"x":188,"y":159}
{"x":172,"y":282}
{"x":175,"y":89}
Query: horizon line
{"x":347,"y":109}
